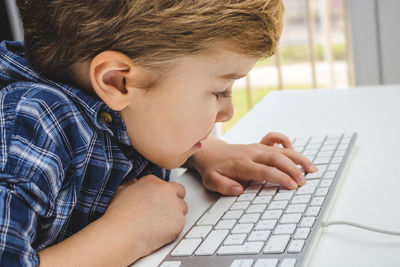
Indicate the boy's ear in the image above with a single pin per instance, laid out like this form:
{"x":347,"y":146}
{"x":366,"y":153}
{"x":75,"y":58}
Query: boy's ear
{"x":109,"y":72}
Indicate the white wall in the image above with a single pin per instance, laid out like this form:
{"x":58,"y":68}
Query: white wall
{"x":375,"y":32}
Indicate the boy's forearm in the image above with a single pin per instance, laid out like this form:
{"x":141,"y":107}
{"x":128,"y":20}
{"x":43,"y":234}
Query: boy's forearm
{"x":98,"y":244}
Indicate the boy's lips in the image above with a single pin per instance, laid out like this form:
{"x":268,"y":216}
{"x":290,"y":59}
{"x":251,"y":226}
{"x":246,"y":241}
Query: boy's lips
{"x":198,"y":145}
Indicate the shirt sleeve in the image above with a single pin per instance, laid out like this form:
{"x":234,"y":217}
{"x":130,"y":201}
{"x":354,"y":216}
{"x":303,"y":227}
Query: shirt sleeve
{"x":33,"y":165}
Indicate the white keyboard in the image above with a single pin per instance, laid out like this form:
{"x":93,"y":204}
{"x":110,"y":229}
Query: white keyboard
{"x":268,"y":225}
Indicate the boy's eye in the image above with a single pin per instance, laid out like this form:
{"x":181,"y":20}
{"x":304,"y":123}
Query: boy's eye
{"x":225,"y":94}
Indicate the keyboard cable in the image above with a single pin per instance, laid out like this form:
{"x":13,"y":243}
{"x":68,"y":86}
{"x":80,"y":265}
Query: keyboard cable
{"x":365,"y":227}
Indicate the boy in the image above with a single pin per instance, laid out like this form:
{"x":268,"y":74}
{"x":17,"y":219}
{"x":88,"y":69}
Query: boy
{"x":110,"y":95}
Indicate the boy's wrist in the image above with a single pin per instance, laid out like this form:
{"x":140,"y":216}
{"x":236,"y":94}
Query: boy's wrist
{"x":133,"y":246}
{"x":101,"y":243}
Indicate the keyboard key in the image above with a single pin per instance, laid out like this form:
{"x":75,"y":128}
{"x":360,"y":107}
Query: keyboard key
{"x":334,"y":136}
{"x":317,"y":139}
{"x":265,"y":225}
{"x":236,"y":239}
{"x":301,"y":199}
{"x":329,"y":175}
{"x":246,"y":197}
{"x":288,"y":263}
{"x":250,"y":218}
{"x":336,"y":159}
{"x":171,"y":264}
{"x":331,"y":141}
{"x":186,"y":247}
{"x":302,"y":233}
{"x":233,"y":214}
{"x":277,"y":244}
{"x":317,"y":201}
{"x":296,"y":246}
{"x":307,"y":221}
{"x":225,"y":224}
{"x":310,"y":153}
{"x":242,"y":263}
{"x":242,"y":205}
{"x":291,"y":218}
{"x":212,"y":242}
{"x":340,"y":153}
{"x":246,"y":248}
{"x":296,"y":208}
{"x":333,"y":167}
{"x":283,"y":196}
{"x":256,"y":208}
{"x":278,"y":205}
{"x":266,"y":263}
{"x":272,"y":214}
{"x":252,"y":189}
{"x":306,"y":189}
{"x":317,"y":174}
{"x":328,"y":147}
{"x":313,"y":183}
{"x":268,"y":191}
{"x":315,"y":146}
{"x":199,"y":231}
{"x":313,"y":211}
{"x":300,"y":141}
{"x":283,"y":229}
{"x":327,"y":154}
{"x":321,"y":160}
{"x":262,"y":200}
{"x":259,"y":235}
{"x":325,"y":183}
{"x":244,"y":228}
{"x":322,"y":192}
{"x":285,"y":190}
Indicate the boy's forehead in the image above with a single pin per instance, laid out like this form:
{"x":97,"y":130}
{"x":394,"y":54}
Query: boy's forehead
{"x":216,"y":63}
{"x":224,"y":64}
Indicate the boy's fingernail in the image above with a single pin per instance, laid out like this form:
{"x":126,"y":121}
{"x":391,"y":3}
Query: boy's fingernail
{"x":314,"y":168}
{"x":236,"y":190}
{"x":302,"y":180}
{"x":293,"y":185}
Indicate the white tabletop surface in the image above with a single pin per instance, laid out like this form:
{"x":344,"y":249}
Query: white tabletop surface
{"x":370,"y":193}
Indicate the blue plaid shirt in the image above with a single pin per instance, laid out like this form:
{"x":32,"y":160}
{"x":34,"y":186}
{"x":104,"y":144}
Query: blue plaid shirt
{"x":59,"y":163}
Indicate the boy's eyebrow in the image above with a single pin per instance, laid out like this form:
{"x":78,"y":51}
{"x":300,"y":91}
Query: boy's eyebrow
{"x":232,"y":76}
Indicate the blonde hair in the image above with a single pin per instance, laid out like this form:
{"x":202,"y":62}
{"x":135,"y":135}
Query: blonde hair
{"x":60,"y":33}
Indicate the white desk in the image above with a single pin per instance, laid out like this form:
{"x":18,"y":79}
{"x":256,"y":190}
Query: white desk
{"x":370,"y":193}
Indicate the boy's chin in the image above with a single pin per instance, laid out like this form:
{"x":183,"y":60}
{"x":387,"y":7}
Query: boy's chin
{"x":171,"y":163}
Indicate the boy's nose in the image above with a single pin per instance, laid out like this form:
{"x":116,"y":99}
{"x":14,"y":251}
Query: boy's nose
{"x":226,"y":111}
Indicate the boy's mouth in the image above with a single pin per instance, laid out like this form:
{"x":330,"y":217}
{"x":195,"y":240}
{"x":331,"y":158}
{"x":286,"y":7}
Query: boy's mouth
{"x":198,"y":145}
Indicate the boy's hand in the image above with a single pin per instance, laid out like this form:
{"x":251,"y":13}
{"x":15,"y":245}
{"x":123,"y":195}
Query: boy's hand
{"x":149,"y":213}
{"x":222,"y":166}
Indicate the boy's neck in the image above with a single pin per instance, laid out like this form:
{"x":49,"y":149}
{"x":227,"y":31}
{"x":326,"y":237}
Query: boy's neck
{"x":80,"y":77}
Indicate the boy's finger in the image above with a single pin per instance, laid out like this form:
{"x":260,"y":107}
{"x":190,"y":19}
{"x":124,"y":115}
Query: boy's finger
{"x":276,"y":176}
{"x":222,"y":184}
{"x":277,"y":138}
{"x":300,"y":159}
{"x":185,"y":207}
{"x":283,"y":163}
{"x":180,"y":189}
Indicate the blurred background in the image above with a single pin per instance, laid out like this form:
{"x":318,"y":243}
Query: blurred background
{"x":325,"y":44}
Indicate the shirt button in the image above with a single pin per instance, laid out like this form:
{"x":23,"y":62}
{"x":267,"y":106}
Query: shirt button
{"x":105,"y":117}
